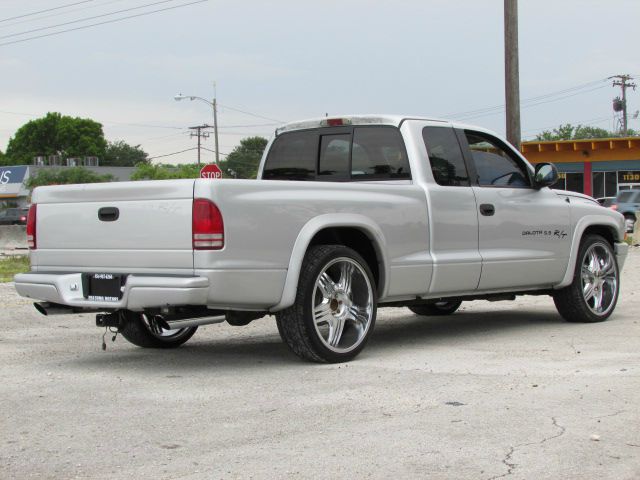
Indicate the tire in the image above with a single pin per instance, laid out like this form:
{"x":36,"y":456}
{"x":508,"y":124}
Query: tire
{"x":593,"y":293}
{"x":335,"y":306}
{"x":438,"y":308}
{"x":138,"y":331}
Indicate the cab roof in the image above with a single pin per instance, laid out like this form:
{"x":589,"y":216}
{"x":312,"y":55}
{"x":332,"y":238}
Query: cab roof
{"x":370,"y":119}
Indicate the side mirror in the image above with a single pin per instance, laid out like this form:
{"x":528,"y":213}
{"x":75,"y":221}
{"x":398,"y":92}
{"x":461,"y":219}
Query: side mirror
{"x":546,"y":174}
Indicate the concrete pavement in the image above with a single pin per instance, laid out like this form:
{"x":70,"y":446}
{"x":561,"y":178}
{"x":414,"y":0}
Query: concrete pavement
{"x":498,"y":390}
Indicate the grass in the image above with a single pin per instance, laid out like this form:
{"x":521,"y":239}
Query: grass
{"x":9,"y":266}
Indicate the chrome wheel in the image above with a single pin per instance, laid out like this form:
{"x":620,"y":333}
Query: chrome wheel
{"x":343,"y":305}
{"x":162,"y":334}
{"x":599,"y":279}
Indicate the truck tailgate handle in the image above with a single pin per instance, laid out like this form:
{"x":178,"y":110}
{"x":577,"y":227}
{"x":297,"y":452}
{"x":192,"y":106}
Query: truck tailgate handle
{"x":487,"y":209}
{"x":108,"y":214}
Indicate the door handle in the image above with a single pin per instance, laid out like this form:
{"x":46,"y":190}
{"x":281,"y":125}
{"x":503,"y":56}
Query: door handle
{"x":108,"y":214}
{"x":487,"y":209}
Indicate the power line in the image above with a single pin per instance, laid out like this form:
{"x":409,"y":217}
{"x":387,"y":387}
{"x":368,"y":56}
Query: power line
{"x":249,"y":113}
{"x":28,"y":20}
{"x":44,"y":11}
{"x":498,"y":112}
{"x":500,"y":108}
{"x":39,"y":29}
{"x":102,"y":23}
{"x":172,"y":153}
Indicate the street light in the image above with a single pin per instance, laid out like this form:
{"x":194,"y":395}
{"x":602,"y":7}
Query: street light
{"x":214,"y":107}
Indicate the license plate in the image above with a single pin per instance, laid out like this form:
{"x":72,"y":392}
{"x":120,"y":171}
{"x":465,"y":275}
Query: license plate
{"x":103,"y":287}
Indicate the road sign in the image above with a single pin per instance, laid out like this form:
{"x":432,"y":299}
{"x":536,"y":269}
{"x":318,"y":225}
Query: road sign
{"x":211,"y":171}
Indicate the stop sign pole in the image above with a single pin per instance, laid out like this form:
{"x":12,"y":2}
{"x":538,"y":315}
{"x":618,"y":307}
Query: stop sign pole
{"x":211,"y":171}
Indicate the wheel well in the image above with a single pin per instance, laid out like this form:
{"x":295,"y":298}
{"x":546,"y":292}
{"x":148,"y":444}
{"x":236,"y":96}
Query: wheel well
{"x":357,"y":240}
{"x":603,"y":231}
{"x":629,"y":215}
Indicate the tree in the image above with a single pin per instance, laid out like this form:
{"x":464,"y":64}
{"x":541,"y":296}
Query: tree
{"x":66,"y":176}
{"x":244,"y":160}
{"x":56,"y":134}
{"x":147,"y":171}
{"x":121,"y":154}
{"x":578,"y":132}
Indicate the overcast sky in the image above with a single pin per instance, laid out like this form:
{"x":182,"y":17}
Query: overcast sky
{"x":289,"y":60}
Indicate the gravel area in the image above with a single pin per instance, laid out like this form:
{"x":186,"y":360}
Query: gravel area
{"x":497,"y":390}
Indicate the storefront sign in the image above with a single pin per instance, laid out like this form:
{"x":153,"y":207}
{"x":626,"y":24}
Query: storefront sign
{"x":11,"y":179}
{"x":628,"y":176}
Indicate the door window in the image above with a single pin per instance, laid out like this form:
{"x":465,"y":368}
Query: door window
{"x":445,"y":157}
{"x":495,"y":166}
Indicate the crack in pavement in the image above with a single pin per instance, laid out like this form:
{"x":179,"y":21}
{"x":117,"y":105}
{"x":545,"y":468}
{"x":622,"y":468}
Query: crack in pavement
{"x":610,"y":415}
{"x":507,"y":458}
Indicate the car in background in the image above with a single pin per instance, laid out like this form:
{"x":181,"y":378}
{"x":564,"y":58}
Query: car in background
{"x":14,"y":216}
{"x":628,"y":203}
{"x":606,"y":201}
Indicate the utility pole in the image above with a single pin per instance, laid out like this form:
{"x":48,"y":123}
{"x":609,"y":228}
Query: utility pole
{"x":215,"y":121}
{"x":511,"y":72}
{"x":199,"y":133}
{"x":623,"y":82}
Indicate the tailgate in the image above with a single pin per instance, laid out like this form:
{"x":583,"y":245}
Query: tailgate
{"x":77,"y":229}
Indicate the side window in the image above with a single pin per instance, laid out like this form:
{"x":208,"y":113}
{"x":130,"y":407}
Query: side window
{"x":494,"y":165}
{"x":445,"y":156}
{"x":292,"y":157}
{"x":379,"y":154}
{"x":334,"y":156}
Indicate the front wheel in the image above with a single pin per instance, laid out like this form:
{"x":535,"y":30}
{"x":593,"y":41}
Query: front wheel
{"x":593,"y":294}
{"x":335,"y":307}
{"x":144,"y":332}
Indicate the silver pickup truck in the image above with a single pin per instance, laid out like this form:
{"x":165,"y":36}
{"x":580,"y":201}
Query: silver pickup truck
{"x":348,"y":214}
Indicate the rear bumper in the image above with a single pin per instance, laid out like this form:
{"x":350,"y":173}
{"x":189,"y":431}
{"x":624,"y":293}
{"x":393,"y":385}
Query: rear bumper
{"x":140,"y":291}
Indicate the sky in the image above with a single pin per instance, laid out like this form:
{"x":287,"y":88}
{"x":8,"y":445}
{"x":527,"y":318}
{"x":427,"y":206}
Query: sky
{"x":281,"y":61}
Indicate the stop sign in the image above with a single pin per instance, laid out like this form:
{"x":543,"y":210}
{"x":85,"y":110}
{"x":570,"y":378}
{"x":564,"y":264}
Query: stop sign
{"x":211,"y":171}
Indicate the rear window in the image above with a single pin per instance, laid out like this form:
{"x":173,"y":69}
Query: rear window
{"x":339,"y":154}
{"x":292,"y":157}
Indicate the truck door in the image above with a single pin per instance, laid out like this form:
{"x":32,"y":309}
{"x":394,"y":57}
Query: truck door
{"x":453,"y":214}
{"x":524,"y":232}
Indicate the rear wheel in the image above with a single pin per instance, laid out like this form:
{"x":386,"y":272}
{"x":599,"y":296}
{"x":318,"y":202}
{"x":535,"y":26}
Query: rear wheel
{"x":144,"y":332}
{"x":335,"y":307}
{"x":593,"y":294}
{"x":446,"y":307}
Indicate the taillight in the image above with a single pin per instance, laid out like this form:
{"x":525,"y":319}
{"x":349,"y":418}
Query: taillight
{"x":208,"y":227}
{"x":614,"y":207}
{"x":31,"y":226}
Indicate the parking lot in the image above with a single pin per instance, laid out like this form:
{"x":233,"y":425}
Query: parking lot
{"x":497,"y":390}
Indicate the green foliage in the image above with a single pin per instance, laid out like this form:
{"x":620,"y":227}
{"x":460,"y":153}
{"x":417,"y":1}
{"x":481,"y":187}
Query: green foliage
{"x":56,"y":134}
{"x":121,"y":154}
{"x":578,"y":132}
{"x":245,"y":158}
{"x":11,"y":266}
{"x":147,"y":171}
{"x":66,"y":176}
